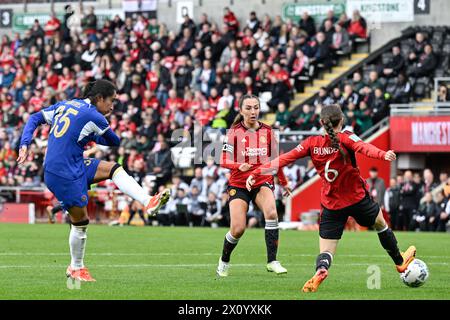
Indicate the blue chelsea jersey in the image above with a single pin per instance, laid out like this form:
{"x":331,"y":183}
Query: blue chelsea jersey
{"x":73,"y":124}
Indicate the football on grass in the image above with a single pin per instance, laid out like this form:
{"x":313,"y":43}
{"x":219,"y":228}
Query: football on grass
{"x":416,"y":274}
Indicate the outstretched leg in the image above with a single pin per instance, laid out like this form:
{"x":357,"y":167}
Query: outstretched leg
{"x":323,"y":263}
{"x":129,"y":186}
{"x":389,"y":243}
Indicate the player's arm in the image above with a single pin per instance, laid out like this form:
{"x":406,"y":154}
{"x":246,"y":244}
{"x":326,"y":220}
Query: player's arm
{"x":45,"y":116}
{"x":300,"y":151}
{"x":227,"y":157}
{"x":103,"y":134}
{"x":353,"y":142}
{"x":107,"y":138}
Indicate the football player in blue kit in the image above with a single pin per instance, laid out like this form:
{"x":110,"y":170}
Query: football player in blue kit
{"x":73,"y":124}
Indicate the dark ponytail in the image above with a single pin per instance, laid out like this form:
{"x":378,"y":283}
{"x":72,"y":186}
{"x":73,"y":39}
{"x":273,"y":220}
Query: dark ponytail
{"x":99,"y":88}
{"x":239,"y":117}
{"x":331,"y":115}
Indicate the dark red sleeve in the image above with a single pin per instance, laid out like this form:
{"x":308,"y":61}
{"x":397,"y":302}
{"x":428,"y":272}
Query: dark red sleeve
{"x":353,"y":142}
{"x":300,"y":151}
{"x":227,"y":158}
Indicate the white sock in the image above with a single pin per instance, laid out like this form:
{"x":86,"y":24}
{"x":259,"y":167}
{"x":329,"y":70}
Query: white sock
{"x":77,"y":243}
{"x":130,"y":187}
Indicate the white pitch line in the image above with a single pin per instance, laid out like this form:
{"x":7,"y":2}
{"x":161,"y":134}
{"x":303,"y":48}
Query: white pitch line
{"x":188,"y":254}
{"x":206,"y":265}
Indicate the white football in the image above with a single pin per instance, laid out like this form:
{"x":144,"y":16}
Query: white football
{"x":416,"y":274}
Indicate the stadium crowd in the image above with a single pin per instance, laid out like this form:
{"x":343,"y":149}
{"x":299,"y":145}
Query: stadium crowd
{"x":169,"y":80}
{"x":366,"y":96}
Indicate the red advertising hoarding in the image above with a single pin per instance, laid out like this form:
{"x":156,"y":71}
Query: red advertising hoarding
{"x":17,"y":213}
{"x":420,"y":134}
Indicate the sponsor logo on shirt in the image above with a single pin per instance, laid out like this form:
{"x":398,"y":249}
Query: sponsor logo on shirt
{"x":254,"y":152}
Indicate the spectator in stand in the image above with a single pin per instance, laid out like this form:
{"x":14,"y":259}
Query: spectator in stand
{"x":426,"y":210}
{"x":159,"y":164}
{"x":330,"y":17}
{"x":340,"y":43}
{"x":230,"y":20}
{"x":196,"y":207}
{"x":418,"y":48}
{"x":308,"y":24}
{"x":253,"y":22}
{"x":349,"y":96}
{"x":68,"y":12}
{"x":428,"y":181}
{"x":438,"y":223}
{"x":392,"y":202}
{"x":402,"y":91}
{"x":357,"y":27}
{"x":395,"y":65}
{"x":377,"y":187}
{"x":282,"y":118}
{"x":179,"y":207}
{"x":425,"y":64}
{"x":307,"y":119}
{"x":363,"y":118}
{"x":321,"y":52}
{"x":328,"y":30}
{"x":197,"y":181}
{"x":443,"y":94}
{"x":89,"y":24}
{"x":408,"y":200}
{"x":52,"y":27}
{"x":214,"y":216}
{"x":188,"y":23}
{"x":299,"y":68}
{"x":379,"y":106}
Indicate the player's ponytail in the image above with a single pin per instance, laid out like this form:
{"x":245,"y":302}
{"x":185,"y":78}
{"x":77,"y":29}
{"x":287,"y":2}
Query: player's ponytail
{"x":330,"y":117}
{"x":239,"y":117}
{"x":99,"y":88}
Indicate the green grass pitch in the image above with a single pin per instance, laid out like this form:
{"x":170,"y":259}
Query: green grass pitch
{"x":179,"y":263}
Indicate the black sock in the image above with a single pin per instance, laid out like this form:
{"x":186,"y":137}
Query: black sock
{"x":272,"y":235}
{"x":389,"y":243}
{"x":141,"y":214}
{"x":324,"y":260}
{"x":132,"y":213}
{"x":228,"y":246}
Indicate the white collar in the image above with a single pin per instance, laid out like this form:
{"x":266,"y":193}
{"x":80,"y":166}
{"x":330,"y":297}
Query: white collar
{"x":87,"y":100}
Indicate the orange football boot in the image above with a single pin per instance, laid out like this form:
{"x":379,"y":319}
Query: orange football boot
{"x":313,"y":284}
{"x":408,"y":257}
{"x":157,"y":201}
{"x":80,"y":274}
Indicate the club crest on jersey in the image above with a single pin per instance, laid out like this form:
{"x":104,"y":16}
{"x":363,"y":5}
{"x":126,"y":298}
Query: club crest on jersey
{"x":232,"y":192}
{"x":244,"y":140}
{"x":83,"y":198}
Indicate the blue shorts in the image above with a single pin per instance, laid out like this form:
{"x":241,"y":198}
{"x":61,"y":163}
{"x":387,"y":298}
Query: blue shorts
{"x":72,"y":192}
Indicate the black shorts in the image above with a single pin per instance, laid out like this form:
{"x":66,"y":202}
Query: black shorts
{"x":244,"y":194}
{"x":332,"y":222}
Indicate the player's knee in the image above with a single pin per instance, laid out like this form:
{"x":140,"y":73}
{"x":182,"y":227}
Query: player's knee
{"x":81,"y":223}
{"x":114,"y":168}
{"x":237,"y":231}
{"x":271,"y":213}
